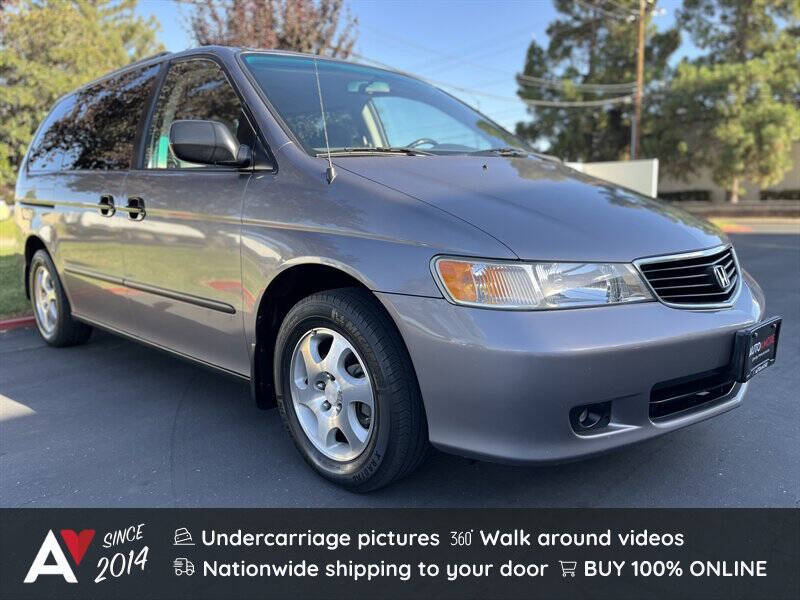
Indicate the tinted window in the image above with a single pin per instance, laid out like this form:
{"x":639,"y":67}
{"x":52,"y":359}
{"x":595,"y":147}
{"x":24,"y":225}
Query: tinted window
{"x":46,"y":151}
{"x":194,"y":89}
{"x":95,"y":128}
{"x":102,"y":131}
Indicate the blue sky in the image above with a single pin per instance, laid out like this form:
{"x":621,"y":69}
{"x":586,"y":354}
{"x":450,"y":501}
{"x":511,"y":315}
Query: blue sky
{"x":472,"y":44}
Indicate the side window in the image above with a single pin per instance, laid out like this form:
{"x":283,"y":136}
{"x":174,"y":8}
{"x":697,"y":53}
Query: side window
{"x":405,"y":121}
{"x":46,"y":151}
{"x":193,"y":89}
{"x":102,"y":129}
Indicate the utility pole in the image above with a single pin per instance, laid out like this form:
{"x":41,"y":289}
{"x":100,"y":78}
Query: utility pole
{"x":636,"y":124}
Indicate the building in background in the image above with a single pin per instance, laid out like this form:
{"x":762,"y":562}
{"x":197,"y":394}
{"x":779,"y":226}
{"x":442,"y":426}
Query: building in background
{"x":701,"y":187}
{"x":638,"y":175}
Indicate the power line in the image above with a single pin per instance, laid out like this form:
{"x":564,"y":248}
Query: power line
{"x":631,"y":10}
{"x":407,"y":42}
{"x":613,"y":14}
{"x":620,"y":87}
{"x":578,"y":103}
{"x":529,"y":81}
{"x":447,"y":65}
{"x":529,"y":101}
{"x":436,"y":82}
{"x":445,"y":55}
{"x":561,"y":84}
{"x":533,"y":101}
{"x":375,"y":62}
{"x":514,"y":34}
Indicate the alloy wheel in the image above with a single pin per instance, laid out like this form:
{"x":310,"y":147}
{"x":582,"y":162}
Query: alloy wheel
{"x":45,"y":303}
{"x":332,"y":394}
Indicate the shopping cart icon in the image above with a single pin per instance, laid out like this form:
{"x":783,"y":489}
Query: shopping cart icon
{"x":568,"y":567}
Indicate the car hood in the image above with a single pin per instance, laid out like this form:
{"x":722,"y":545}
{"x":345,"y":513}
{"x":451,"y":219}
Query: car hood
{"x":541,"y":210}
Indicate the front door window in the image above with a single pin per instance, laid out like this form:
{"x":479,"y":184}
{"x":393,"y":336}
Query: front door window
{"x":193,"y":89}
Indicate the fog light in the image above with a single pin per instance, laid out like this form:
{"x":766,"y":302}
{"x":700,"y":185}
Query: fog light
{"x":590,"y":417}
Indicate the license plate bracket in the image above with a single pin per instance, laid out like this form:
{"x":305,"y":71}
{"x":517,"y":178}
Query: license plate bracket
{"x":755,"y":349}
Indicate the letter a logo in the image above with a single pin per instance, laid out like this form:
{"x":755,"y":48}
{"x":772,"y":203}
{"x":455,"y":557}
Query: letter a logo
{"x":39,"y":566}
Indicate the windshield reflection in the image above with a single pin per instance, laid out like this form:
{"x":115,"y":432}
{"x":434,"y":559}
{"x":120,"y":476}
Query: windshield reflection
{"x":369,"y":108}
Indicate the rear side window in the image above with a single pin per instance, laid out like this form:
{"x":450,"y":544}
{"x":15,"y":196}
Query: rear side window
{"x":94,"y":128}
{"x":102,"y":129}
{"x":193,"y":89}
{"x":46,"y":151}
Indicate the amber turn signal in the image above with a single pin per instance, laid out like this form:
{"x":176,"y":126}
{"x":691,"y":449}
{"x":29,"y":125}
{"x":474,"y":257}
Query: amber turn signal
{"x":457,"y":278}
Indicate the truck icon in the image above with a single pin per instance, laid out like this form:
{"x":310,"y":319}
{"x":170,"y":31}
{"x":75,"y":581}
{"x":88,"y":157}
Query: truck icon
{"x":183,"y":566}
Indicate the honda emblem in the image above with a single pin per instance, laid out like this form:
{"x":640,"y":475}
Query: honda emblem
{"x":722,"y":277}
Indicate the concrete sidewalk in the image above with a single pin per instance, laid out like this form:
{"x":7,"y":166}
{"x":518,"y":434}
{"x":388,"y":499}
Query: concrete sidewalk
{"x":770,"y":209}
{"x":774,"y":225}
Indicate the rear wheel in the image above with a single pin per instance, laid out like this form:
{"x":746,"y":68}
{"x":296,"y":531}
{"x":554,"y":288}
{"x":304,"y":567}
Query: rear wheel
{"x":347,"y":391}
{"x":51,"y":307}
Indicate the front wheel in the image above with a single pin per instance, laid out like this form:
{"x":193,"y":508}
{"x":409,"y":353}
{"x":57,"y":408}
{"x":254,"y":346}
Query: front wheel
{"x":347,"y":391}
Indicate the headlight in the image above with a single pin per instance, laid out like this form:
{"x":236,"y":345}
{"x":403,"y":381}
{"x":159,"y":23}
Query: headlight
{"x":538,"y":285}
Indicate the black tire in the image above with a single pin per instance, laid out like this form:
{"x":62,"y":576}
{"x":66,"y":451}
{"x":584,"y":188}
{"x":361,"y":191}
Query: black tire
{"x":399,"y":442}
{"x":68,"y":331}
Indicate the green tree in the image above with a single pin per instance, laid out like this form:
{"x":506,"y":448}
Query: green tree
{"x":736,"y":108}
{"x":49,"y":47}
{"x":735,"y":30}
{"x":591,"y":43}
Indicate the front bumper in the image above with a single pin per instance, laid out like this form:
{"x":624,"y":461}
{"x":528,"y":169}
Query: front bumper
{"x":499,"y":385}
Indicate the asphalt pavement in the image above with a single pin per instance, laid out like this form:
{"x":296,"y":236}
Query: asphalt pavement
{"x":113,"y":423}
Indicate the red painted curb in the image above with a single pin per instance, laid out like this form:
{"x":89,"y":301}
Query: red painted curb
{"x":16,"y":323}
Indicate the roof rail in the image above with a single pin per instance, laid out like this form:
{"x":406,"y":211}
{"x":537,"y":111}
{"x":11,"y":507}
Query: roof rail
{"x":115,"y":72}
{"x":143,"y":60}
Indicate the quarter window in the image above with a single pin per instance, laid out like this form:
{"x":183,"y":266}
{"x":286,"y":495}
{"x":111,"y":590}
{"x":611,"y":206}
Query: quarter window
{"x":46,"y":151}
{"x":193,"y":89}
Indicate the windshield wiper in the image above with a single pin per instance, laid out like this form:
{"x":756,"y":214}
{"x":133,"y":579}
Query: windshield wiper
{"x":504,"y":151}
{"x":376,"y":150}
{"x":519,"y":152}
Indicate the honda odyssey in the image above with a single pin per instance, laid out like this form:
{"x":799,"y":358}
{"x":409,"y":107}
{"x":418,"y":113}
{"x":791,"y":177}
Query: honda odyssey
{"x":391,"y":268}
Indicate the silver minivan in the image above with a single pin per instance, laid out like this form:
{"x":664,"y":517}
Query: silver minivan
{"x":391,"y":268}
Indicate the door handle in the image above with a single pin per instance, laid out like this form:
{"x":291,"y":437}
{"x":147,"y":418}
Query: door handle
{"x":106,"y":206}
{"x":135,"y":209}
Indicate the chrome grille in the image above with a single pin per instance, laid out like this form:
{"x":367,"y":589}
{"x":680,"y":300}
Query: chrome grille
{"x":709,"y":278}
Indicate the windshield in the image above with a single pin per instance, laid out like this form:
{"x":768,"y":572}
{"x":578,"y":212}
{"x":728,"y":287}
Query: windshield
{"x":370,"y":108}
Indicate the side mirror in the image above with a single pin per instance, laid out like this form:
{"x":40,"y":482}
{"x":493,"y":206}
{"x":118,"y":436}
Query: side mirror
{"x":207,"y":143}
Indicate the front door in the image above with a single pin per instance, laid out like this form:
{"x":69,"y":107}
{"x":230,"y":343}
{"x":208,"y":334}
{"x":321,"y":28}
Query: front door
{"x":182,"y":258}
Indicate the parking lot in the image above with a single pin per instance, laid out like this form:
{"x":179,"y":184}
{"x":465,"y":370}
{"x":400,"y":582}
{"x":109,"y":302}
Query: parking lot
{"x":113,"y":423}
